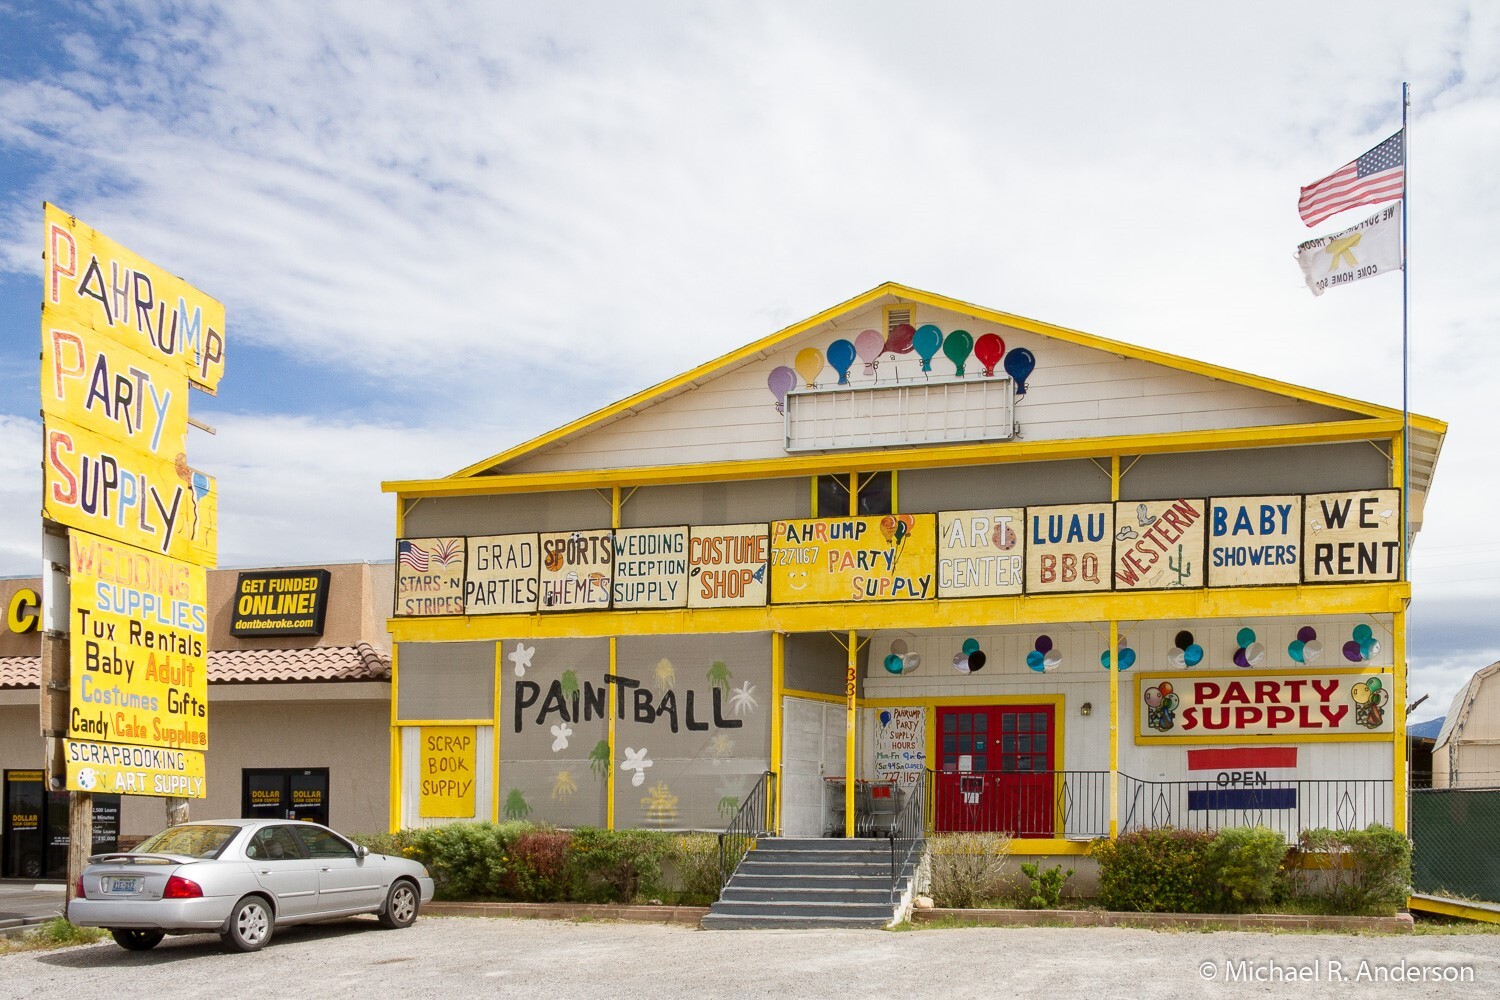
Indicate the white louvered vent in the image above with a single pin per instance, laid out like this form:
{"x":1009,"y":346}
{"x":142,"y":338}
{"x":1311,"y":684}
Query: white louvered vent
{"x":935,"y":411}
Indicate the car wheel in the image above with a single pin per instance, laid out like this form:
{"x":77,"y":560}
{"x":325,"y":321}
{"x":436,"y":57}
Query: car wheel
{"x":250,"y":925}
{"x":400,"y":905}
{"x":137,"y":940}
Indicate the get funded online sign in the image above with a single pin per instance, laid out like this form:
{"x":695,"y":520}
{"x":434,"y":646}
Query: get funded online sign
{"x":138,"y":648}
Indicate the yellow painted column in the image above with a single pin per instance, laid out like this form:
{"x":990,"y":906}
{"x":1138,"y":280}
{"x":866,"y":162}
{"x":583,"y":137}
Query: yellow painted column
{"x":1399,"y":787}
{"x":1114,"y":685}
{"x":499,"y":681}
{"x":609,"y":782}
{"x":395,"y":787}
{"x":778,"y":684}
{"x":850,"y":714}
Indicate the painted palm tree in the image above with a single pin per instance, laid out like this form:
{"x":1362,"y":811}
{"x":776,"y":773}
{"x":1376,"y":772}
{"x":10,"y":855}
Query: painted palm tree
{"x":666,"y":675}
{"x":659,"y":804}
{"x":569,"y":683}
{"x":599,"y":759}
{"x":563,"y":786}
{"x":515,"y":805}
{"x":743,"y":699}
{"x":719,"y":674}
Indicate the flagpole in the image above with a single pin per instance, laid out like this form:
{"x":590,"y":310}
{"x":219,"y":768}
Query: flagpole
{"x":1405,"y":346}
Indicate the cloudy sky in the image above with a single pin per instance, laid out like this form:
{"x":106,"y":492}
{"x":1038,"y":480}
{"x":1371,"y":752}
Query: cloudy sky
{"x":439,"y":229}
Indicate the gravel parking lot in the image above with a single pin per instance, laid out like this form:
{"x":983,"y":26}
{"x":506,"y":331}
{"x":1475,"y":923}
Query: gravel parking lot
{"x":549,"y":960}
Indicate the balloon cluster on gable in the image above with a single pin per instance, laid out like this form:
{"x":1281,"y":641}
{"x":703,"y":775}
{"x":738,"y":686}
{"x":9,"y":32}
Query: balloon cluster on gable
{"x":1363,"y":646}
{"x":926,"y":342}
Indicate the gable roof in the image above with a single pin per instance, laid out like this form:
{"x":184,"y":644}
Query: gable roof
{"x":1426,"y":437}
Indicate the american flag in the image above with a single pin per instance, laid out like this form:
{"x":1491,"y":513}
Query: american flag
{"x":412,"y":554}
{"x":1375,"y":177}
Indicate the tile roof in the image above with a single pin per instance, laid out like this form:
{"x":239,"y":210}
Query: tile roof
{"x":362,"y":662}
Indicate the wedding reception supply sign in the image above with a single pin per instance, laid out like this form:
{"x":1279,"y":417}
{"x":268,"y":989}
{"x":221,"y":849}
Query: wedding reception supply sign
{"x":888,"y":558}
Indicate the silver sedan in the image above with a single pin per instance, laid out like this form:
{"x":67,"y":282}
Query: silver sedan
{"x":241,"y":879}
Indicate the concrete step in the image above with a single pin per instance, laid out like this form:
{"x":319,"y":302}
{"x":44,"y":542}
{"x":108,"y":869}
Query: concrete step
{"x":805,"y":894}
{"x":781,"y":880}
{"x":766,"y":854}
{"x":792,"y":908}
{"x":732,"y":922}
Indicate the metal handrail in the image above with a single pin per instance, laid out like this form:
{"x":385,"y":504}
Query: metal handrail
{"x":1288,"y":805}
{"x":910,"y":825}
{"x":751,"y":821}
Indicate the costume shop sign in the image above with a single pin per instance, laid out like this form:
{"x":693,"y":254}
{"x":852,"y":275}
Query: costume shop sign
{"x":1286,"y":705}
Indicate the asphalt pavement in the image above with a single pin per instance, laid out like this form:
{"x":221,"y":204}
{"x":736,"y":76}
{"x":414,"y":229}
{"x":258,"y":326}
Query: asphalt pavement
{"x":25,"y":902}
{"x":468,"y":957}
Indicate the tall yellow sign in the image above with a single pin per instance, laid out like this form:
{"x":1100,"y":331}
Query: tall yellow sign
{"x":122,"y":342}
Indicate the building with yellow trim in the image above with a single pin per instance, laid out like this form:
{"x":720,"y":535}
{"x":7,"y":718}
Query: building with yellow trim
{"x":913,"y":535}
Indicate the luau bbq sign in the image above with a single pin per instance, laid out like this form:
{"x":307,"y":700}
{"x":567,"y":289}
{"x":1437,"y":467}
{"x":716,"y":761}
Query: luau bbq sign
{"x":1351,"y":537}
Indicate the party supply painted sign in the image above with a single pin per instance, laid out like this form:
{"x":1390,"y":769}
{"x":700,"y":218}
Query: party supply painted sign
{"x":727,"y":565}
{"x":446,"y":765}
{"x":576,"y":570}
{"x":96,"y":484}
{"x":981,"y":553}
{"x":1159,"y":544}
{"x":1069,"y":548}
{"x":430,"y":576}
{"x":1288,"y":705}
{"x":888,"y":558}
{"x":106,"y":387}
{"x":650,"y":568}
{"x":503,"y":574}
{"x":900,"y":744}
{"x":138,"y":650}
{"x":1254,"y":541}
{"x":1352,"y":537}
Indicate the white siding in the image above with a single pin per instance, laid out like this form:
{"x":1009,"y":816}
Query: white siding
{"x":1075,"y":392}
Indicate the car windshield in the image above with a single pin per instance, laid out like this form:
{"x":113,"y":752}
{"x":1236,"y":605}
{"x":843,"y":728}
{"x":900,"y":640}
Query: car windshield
{"x":194,"y":841}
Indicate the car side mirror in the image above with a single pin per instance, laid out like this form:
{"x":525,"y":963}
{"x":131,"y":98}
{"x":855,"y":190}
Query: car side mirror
{"x":361,"y":851}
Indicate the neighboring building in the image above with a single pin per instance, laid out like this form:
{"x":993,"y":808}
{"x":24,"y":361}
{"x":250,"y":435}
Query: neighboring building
{"x":1420,"y":738}
{"x":298,"y":724}
{"x":899,"y":539}
{"x":1467,"y":751}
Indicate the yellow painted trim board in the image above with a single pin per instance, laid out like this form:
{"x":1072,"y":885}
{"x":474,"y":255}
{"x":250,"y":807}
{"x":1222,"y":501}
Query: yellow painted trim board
{"x":609,"y":784}
{"x":1453,"y":908}
{"x":851,"y":713}
{"x":832,"y":699}
{"x":1056,"y":846}
{"x":763,"y":347}
{"x":1040,"y":609}
{"x":1398,"y":746}
{"x":951,"y":455}
{"x":393,"y":808}
{"x":417,"y":723}
{"x":495,"y":784}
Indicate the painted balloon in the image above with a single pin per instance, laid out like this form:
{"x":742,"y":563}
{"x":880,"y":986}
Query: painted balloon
{"x":1034,"y":661}
{"x":1165,"y":687}
{"x":1311,"y":651}
{"x":1019,"y":364}
{"x":910,"y":662}
{"x":1255,"y":653}
{"x":1052,"y":659}
{"x":868,"y":345}
{"x":1043,"y":643}
{"x":971,"y":646}
{"x":1362,"y":632}
{"x":781,"y":381}
{"x":960,"y":663}
{"x":885,"y":718}
{"x":1351,"y":651}
{"x":900,"y":339}
{"x":1127,"y":658}
{"x":899,"y":647}
{"x":1306,"y":633}
{"x":841,"y":356}
{"x":809,"y":364}
{"x":989,"y":349}
{"x":1244,"y":637}
{"x":1193,"y":655}
{"x":957,"y":346}
{"x":1176,"y":658}
{"x":977,"y":660}
{"x":1153,"y":697}
{"x":1297,"y":650}
{"x":926,"y":341}
{"x":893,"y":663}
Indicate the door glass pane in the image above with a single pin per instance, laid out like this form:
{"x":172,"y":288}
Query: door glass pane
{"x":950,"y":744}
{"x":1007,"y":723}
{"x":1023,"y":721}
{"x":965,"y":744}
{"x":1024,"y":744}
{"x":950,"y":763}
{"x":981,"y":763}
{"x":1007,"y":744}
{"x":1040,"y":722}
{"x":965,"y":722}
{"x":1023,"y":763}
{"x":981,"y":722}
{"x":950,"y":722}
{"x":1039,"y":763}
{"x":1007,"y":763}
{"x":1039,"y":742}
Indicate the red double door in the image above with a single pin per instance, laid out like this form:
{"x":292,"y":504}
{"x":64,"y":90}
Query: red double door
{"x":996,"y":770}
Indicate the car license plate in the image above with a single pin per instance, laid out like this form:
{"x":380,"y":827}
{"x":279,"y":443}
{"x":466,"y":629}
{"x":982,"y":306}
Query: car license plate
{"x":119,"y":883}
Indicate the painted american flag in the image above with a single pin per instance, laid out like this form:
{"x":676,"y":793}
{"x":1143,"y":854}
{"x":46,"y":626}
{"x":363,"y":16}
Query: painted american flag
{"x":412,"y":555}
{"x":1376,"y":176}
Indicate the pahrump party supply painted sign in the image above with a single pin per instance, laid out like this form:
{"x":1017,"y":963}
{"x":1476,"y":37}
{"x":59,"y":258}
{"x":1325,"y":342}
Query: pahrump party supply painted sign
{"x":888,"y":558}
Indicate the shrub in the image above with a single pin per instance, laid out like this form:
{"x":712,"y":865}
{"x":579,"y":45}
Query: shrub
{"x":1245,"y":866}
{"x":968,"y":869}
{"x":1368,"y":870}
{"x":617,"y":866}
{"x":466,"y":860}
{"x":1163,"y":870}
{"x":1046,"y":886}
{"x":536,"y":866}
{"x":695,"y":856}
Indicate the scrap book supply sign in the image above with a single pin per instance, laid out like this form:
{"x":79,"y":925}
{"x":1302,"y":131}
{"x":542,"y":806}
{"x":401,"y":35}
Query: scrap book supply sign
{"x":447,"y":768}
